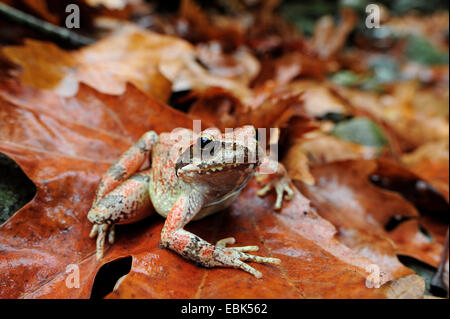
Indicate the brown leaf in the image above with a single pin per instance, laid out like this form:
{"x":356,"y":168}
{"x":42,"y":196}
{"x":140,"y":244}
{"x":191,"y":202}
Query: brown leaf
{"x":403,"y":112}
{"x":409,"y":287}
{"x":111,"y":4}
{"x":51,"y":232}
{"x":410,"y":241}
{"x":196,"y":25}
{"x":54,"y":11}
{"x":290,"y":66}
{"x":240,"y":66}
{"x":318,"y":98}
{"x":431,"y":162}
{"x":132,"y":56}
{"x":65,"y":160}
{"x":217,"y":106}
{"x":296,"y":162}
{"x":314,"y":264}
{"x":321,"y":148}
{"x":421,"y":238}
{"x":225,"y":110}
{"x":328,"y":38}
{"x":344,"y":196}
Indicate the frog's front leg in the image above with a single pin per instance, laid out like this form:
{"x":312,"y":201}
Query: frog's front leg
{"x":126,"y":204}
{"x":122,"y":196}
{"x":134,"y":159}
{"x":190,"y":246}
{"x":280,"y":181}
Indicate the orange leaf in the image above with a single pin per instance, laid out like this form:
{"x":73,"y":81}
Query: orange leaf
{"x":132,"y":55}
{"x":344,"y":196}
{"x":51,"y":232}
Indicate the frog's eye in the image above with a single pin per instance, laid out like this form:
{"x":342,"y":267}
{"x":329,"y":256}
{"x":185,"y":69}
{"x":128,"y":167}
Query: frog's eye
{"x":204,"y":141}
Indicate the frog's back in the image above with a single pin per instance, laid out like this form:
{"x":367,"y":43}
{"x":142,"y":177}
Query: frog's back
{"x":164,"y":185}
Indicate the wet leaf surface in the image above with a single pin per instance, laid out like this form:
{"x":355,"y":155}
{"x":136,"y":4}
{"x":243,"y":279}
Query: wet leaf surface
{"x":51,"y":232}
{"x":360,"y":118}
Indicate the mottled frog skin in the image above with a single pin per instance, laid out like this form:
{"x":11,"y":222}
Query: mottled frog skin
{"x":185,"y":177}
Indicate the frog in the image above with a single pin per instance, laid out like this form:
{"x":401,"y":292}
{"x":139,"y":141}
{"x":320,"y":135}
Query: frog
{"x":186,"y":176}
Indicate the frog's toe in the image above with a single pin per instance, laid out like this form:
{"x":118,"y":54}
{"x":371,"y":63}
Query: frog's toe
{"x":101,"y":237}
{"x":243,"y":266}
{"x":281,"y":187}
{"x":235,"y":257}
{"x":246,"y":248}
{"x":259,"y":259}
{"x":263,"y":191}
{"x":94,"y":231}
{"x":226,"y":241}
{"x":230,"y":241}
{"x":112,"y":234}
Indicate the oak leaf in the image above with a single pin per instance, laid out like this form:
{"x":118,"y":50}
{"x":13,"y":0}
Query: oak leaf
{"x":51,"y":232}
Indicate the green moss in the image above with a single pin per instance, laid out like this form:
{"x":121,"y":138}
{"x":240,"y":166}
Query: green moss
{"x":15,"y":188}
{"x":422,"y":51}
{"x":304,"y":15}
{"x":362,"y":131}
{"x":345,"y":78}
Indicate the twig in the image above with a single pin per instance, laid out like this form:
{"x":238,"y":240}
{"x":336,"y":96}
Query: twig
{"x":43,"y":26}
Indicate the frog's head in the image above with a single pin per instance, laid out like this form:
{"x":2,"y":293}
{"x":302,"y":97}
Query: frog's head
{"x":220,"y":160}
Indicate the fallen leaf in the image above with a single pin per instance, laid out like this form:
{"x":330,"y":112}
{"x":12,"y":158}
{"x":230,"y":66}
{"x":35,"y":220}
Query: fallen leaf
{"x":328,"y":38}
{"x":58,"y":154}
{"x":296,"y":162}
{"x":217,"y":106}
{"x":344,"y":196}
{"x":225,"y":110}
{"x":314,"y":264}
{"x":291,"y":66}
{"x":409,"y":287}
{"x":431,"y":162}
{"x":196,"y":25}
{"x":321,"y":148}
{"x":318,"y":98}
{"x":410,"y":241}
{"x":131,"y":55}
{"x":65,"y":116}
{"x":51,"y":232}
{"x":112,"y":4}
{"x":410,"y":122}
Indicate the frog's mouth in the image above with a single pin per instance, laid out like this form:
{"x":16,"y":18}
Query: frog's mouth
{"x":191,"y":169}
{"x":214,"y":159}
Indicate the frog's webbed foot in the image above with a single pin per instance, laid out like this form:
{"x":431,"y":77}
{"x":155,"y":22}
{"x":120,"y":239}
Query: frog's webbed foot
{"x":174,"y":237}
{"x":102,"y":231}
{"x":281,"y":183}
{"x":235,"y":256}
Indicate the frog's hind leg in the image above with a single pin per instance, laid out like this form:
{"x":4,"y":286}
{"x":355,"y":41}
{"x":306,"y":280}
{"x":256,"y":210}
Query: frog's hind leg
{"x":129,"y":163}
{"x":126,"y":204}
{"x":194,"y":248}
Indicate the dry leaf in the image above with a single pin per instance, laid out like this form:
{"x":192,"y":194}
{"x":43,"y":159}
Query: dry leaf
{"x":344,"y":196}
{"x":132,"y":55}
{"x":51,"y":231}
